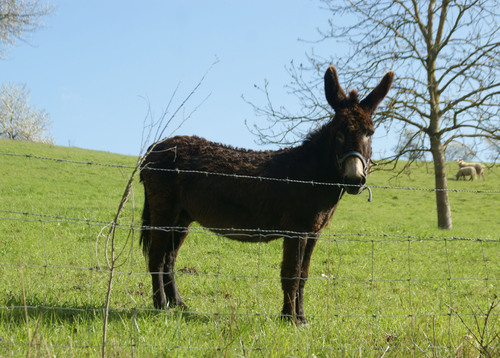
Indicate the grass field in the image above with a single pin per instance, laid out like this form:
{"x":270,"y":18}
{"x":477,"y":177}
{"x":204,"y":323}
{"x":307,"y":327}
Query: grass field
{"x":383,"y":281}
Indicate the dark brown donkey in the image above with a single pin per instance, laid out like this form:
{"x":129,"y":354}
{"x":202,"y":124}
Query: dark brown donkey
{"x":242,"y":207}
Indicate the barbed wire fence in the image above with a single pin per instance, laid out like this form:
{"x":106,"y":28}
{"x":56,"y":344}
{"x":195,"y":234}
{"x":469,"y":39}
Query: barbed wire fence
{"x":111,"y":262}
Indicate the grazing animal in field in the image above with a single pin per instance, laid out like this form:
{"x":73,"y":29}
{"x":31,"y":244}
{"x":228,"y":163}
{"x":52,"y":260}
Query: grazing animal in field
{"x":466,"y":171}
{"x":243,"y":203}
{"x":478,"y":166}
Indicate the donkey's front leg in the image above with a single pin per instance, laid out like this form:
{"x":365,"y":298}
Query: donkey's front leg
{"x":293,"y":252}
{"x":304,"y":274}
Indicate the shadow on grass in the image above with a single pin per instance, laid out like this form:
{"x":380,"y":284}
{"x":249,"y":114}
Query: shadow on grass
{"x":16,"y":310}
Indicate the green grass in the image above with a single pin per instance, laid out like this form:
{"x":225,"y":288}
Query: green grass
{"x":382,"y":278}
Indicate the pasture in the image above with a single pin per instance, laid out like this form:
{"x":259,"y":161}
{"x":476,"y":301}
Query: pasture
{"x":384,"y":281}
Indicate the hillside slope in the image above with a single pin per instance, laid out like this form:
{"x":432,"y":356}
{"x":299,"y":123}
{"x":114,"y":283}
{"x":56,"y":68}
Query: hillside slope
{"x":382,"y":276}
{"x":66,"y":186}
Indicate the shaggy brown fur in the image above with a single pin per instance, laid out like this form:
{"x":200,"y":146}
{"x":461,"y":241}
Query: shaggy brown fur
{"x":247,"y":209}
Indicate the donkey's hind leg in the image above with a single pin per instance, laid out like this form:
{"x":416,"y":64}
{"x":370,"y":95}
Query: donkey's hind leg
{"x":165,"y":244}
{"x":175,"y":241}
{"x":156,"y":261}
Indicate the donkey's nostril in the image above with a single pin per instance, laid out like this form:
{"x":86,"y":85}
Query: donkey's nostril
{"x":354,"y":185}
{"x":355,"y":180}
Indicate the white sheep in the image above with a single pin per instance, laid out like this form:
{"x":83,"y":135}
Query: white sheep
{"x":466,"y":171}
{"x":478,"y":166}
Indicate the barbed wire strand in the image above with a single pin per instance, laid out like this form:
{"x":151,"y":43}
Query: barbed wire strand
{"x":250,"y":177}
{"x":250,"y":232}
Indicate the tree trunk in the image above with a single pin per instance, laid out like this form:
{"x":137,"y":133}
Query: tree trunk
{"x":443,"y":204}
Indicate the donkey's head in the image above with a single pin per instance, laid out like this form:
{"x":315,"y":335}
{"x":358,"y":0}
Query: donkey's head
{"x":352,"y":128}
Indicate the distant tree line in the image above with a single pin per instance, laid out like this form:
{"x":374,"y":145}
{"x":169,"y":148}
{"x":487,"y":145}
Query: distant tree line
{"x":18,"y":119}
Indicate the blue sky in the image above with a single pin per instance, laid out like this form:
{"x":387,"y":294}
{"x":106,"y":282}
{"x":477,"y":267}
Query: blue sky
{"x":96,"y":62}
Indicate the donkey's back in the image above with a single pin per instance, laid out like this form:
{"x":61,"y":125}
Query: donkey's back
{"x":195,"y":153}
{"x":190,"y":179}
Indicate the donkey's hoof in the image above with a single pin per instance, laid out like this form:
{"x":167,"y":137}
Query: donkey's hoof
{"x":302,"y":321}
{"x":286,"y":317}
{"x":177,"y":304}
{"x":180,"y":306}
{"x":159,"y":304}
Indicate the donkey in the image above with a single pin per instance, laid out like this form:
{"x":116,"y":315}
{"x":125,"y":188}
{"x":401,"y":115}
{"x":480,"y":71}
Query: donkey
{"x":257,"y":196}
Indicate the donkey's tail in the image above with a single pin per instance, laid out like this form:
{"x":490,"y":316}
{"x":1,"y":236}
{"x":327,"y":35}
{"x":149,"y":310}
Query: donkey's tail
{"x":145,"y":229}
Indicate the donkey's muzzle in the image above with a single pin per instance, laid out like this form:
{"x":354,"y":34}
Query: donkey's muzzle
{"x":354,"y":186}
{"x":355,"y":170}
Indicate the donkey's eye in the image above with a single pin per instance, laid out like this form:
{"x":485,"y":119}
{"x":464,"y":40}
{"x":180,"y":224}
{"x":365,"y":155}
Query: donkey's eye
{"x":340,"y":137}
{"x":369,"y":132}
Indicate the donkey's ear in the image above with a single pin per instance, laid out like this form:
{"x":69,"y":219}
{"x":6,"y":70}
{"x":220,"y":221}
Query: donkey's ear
{"x":333,"y":91}
{"x":376,"y":96}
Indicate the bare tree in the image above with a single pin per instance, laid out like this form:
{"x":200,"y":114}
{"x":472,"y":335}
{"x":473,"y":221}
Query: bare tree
{"x":19,"y":18}
{"x":19,"y":120}
{"x":458,"y":150}
{"x":494,"y":146}
{"x":446,"y":57}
